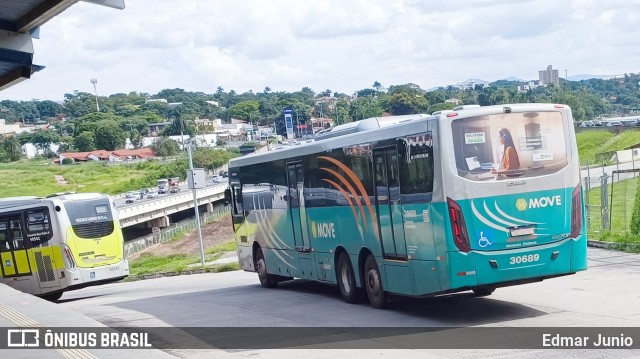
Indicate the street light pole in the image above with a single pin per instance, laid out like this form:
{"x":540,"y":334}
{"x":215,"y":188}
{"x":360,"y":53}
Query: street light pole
{"x":95,"y":90}
{"x":195,"y":205}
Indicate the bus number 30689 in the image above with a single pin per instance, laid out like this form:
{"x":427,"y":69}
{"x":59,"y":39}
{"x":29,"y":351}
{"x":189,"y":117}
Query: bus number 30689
{"x":524,"y":259}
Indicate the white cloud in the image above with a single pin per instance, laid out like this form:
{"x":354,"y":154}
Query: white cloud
{"x":344,"y":46}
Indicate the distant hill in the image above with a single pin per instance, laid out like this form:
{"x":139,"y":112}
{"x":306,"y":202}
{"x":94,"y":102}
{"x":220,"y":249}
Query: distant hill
{"x":513,"y":78}
{"x":581,"y":77}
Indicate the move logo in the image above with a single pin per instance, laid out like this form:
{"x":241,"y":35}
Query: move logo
{"x":323,"y":230}
{"x":349,"y":185}
{"x":540,"y":202}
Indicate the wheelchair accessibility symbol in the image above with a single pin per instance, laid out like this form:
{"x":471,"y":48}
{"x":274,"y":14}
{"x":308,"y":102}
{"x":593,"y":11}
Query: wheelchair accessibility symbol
{"x":483,"y":241}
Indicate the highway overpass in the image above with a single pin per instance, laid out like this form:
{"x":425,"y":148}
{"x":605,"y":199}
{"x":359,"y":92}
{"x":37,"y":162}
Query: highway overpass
{"x":155,"y":212}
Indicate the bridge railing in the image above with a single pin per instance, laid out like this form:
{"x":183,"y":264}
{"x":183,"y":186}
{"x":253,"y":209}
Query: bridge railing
{"x":161,"y":203}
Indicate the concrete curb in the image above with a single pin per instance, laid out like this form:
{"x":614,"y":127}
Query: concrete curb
{"x":613,"y":245}
{"x":223,"y":260}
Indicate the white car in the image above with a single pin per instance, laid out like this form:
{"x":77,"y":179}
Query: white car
{"x":152,"y":194}
{"x":218,"y":179}
{"x":132,"y":196}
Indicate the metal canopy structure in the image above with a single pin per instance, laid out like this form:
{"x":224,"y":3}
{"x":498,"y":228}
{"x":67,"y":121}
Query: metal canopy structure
{"x":20,"y":21}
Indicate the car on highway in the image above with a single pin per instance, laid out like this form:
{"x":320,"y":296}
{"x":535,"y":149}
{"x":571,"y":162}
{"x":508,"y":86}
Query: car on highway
{"x":614,"y":124}
{"x":174,"y":189}
{"x":218,"y":179}
{"x":152,"y":193}
{"x":132,"y":197}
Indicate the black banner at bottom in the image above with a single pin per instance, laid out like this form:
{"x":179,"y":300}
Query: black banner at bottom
{"x":321,"y":338}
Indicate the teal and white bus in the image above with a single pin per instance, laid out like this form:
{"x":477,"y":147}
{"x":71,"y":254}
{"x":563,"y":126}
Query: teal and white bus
{"x":417,"y":205}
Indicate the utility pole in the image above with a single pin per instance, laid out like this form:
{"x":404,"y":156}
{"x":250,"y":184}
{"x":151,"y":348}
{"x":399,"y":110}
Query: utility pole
{"x":95,"y":90}
{"x":195,"y":204}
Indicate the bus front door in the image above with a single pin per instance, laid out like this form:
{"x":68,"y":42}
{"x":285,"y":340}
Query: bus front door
{"x":13,"y":252}
{"x":297,"y":210}
{"x":389,"y":205}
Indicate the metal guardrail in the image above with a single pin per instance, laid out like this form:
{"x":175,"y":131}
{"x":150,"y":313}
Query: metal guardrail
{"x":155,"y":207}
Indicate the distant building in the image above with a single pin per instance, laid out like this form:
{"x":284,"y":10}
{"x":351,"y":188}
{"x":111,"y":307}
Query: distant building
{"x":454,"y":101}
{"x":30,"y":151}
{"x":526,"y":86}
{"x":318,"y":124}
{"x":549,"y":76}
{"x":156,"y":128}
{"x":106,"y":156}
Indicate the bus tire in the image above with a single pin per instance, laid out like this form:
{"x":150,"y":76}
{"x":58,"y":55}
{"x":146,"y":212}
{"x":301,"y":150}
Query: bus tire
{"x":373,"y":283}
{"x":483,"y":291}
{"x":346,"y":279}
{"x":52,"y":297}
{"x":266,"y":279}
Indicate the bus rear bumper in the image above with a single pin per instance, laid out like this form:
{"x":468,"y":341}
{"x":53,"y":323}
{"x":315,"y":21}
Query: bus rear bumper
{"x":549,"y":260}
{"x":82,"y":277}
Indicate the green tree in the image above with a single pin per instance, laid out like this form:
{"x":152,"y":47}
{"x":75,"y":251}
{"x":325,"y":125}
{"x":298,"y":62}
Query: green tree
{"x":405,"y":103}
{"x":441,"y":107}
{"x":210,"y":158}
{"x":246,"y":110}
{"x":11,"y":147}
{"x":85,"y":142}
{"x":136,"y":138}
{"x":43,"y":139}
{"x":164,"y":147}
{"x":109,"y":136}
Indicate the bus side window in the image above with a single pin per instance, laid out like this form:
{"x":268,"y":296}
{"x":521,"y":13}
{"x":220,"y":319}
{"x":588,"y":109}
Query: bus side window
{"x":16,"y":234}
{"x":37,"y":220}
{"x":416,"y":170}
{"x":4,"y":238}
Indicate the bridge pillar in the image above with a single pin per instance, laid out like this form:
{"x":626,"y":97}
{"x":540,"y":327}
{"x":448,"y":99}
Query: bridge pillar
{"x":209,"y":207}
{"x":163,"y":221}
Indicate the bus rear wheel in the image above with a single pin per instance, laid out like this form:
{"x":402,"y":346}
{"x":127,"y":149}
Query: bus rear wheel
{"x":373,"y":283}
{"x":483,"y":291}
{"x":52,"y":297}
{"x":266,"y":279}
{"x":347,"y":279}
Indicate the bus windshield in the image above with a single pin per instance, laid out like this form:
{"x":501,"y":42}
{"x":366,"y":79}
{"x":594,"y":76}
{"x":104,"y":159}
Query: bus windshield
{"x":509,"y":145}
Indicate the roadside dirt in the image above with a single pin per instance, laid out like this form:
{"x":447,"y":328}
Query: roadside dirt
{"x":61,"y":180}
{"x":213,"y":234}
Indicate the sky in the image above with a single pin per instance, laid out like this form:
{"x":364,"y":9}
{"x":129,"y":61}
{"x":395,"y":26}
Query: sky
{"x":343,"y":46}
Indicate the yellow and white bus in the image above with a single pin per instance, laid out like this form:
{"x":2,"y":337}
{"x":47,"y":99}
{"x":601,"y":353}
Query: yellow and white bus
{"x":60,"y":243}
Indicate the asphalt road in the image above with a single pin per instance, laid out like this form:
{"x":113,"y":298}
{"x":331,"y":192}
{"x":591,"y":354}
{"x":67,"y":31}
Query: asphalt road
{"x":121,"y":202}
{"x":606,"y":295}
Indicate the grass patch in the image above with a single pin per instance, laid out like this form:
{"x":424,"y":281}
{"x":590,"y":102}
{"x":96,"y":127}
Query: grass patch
{"x":37,"y":177}
{"x":230,"y":246}
{"x":620,"y":207}
{"x":625,"y":241}
{"x":594,"y":146}
{"x":149,"y":264}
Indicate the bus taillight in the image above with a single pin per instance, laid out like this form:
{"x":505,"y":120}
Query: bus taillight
{"x":68,"y":257}
{"x":576,"y":211}
{"x":458,"y":227}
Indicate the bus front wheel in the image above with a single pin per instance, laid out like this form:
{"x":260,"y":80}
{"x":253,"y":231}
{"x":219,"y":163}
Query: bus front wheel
{"x":373,"y":283}
{"x":346,"y":279}
{"x":266,"y":279}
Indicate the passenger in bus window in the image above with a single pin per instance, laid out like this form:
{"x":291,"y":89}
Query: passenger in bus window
{"x":510,"y":160}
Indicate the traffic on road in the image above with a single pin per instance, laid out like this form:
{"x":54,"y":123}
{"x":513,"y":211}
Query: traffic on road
{"x":165,"y":188}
